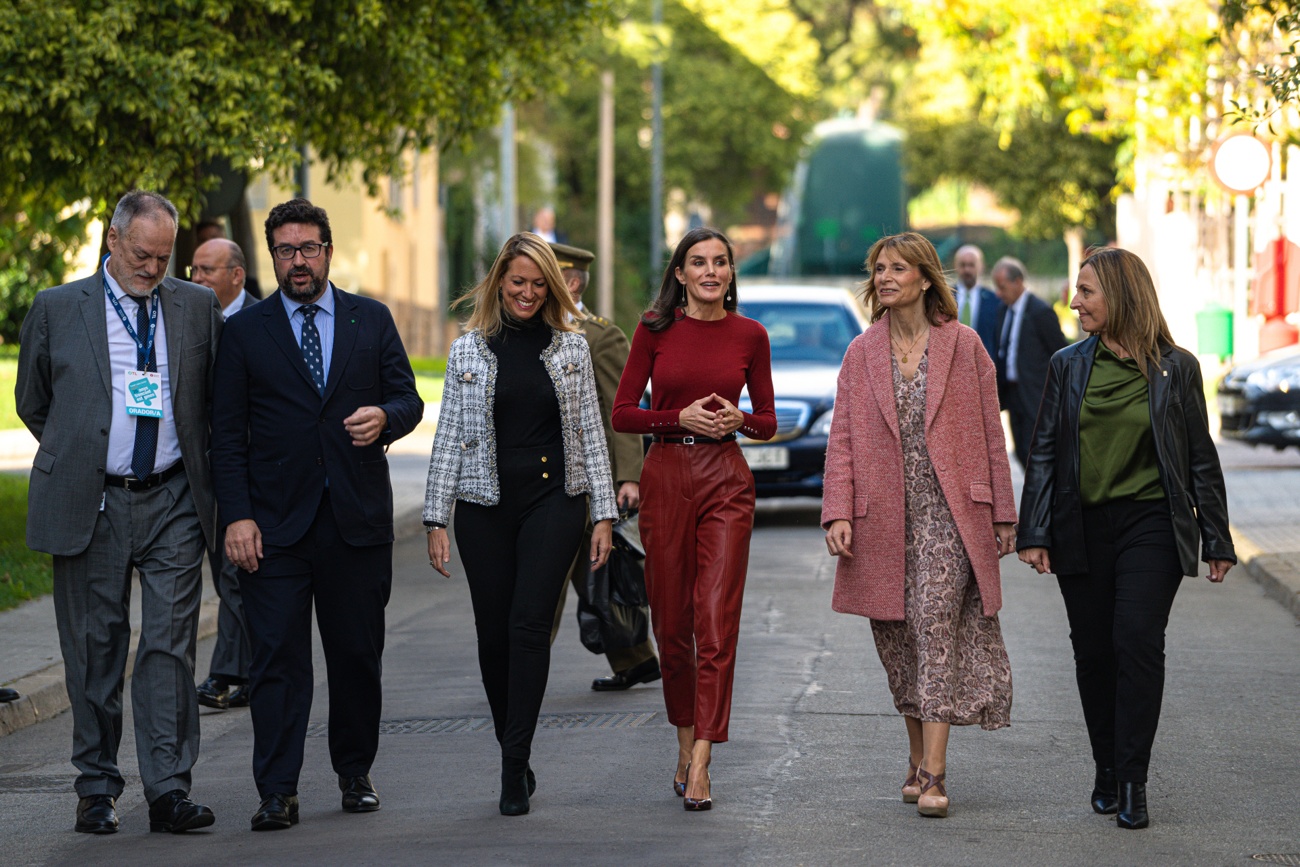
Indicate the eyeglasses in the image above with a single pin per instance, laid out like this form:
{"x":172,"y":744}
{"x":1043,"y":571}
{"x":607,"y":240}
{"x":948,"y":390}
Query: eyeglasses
{"x":310,"y":250}
{"x":205,"y":270}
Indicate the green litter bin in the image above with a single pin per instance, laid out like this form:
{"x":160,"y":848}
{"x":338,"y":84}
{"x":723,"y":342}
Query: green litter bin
{"x":1214,"y":331}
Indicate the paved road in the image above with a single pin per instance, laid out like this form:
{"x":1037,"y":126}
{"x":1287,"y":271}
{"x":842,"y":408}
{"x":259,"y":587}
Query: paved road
{"x":811,"y":775}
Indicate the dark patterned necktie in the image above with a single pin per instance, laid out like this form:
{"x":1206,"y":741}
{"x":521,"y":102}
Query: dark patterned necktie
{"x":146,"y":429}
{"x":311,"y":348}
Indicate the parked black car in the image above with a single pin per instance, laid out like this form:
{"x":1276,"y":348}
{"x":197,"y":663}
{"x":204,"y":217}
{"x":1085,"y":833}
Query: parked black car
{"x":1259,"y":401}
{"x":809,"y":328}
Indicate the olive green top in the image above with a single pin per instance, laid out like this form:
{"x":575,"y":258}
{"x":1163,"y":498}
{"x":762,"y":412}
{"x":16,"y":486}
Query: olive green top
{"x":1117,"y":451}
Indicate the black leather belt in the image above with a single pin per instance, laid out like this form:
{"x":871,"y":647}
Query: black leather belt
{"x":133,"y":484}
{"x":695,"y":440}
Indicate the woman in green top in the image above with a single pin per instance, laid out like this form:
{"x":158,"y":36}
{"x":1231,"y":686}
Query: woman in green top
{"x":1122,"y":481}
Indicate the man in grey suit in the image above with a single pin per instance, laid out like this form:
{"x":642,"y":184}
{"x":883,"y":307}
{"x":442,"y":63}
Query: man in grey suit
{"x":219,"y":264}
{"x":114,"y":381}
{"x":1030,"y":334}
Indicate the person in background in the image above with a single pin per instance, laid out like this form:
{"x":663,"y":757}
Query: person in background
{"x":1123,"y":480}
{"x":918,"y":506}
{"x":544,"y":226}
{"x":518,"y":452}
{"x":977,"y":305}
{"x":697,"y":492}
{"x":609,"y":350}
{"x":219,"y":264}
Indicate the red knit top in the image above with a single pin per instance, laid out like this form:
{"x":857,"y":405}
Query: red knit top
{"x":691,"y":359}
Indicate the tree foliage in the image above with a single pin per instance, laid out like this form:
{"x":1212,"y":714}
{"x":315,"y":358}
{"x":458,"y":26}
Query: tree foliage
{"x":1262,"y":35}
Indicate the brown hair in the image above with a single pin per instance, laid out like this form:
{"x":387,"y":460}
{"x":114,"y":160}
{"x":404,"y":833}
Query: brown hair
{"x":672,"y":293}
{"x":917,"y":251}
{"x":1133,"y":317}
{"x":558,"y":310}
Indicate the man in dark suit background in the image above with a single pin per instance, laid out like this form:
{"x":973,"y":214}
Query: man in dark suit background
{"x":1030,"y":333}
{"x":977,"y":305}
{"x":609,"y":351}
{"x":114,"y":381}
{"x":312,"y":385}
{"x":219,"y":264}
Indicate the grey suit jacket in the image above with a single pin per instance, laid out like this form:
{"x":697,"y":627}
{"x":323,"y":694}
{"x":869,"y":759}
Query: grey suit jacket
{"x":64,"y":396}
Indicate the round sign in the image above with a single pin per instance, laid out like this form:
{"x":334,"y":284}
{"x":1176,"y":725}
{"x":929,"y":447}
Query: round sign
{"x":1240,"y":163}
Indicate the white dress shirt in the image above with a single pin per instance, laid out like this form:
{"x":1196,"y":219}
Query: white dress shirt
{"x":974,"y":293}
{"x":234,"y":306}
{"x":122,"y":356}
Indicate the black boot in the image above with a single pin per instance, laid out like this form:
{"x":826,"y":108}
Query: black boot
{"x":514,"y":786}
{"x":1105,"y":799}
{"x":1132,"y":806}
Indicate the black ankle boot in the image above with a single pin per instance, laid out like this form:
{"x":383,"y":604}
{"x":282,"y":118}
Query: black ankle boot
{"x":1105,"y":799}
{"x":514,"y":786}
{"x":1132,"y":806}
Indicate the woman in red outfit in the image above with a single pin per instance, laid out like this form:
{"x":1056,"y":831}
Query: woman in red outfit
{"x":697,"y":493}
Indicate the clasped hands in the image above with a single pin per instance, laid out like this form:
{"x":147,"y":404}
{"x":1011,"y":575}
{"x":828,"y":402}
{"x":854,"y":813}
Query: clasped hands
{"x":715,"y":423}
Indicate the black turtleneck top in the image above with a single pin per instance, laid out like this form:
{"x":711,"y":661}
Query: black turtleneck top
{"x":525,"y":408}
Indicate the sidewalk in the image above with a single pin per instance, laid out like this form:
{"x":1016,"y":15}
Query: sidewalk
{"x":30,"y":661}
{"x":1266,"y":532}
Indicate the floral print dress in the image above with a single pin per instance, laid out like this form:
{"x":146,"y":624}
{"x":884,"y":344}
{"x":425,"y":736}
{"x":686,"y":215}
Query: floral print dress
{"x":945,"y":660}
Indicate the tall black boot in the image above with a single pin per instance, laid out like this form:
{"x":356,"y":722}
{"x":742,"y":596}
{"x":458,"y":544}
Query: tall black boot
{"x":514,"y":786}
{"x":1105,"y":799}
{"x":1132,"y":806}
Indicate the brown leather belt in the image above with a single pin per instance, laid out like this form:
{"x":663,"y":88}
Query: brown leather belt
{"x":133,"y":484}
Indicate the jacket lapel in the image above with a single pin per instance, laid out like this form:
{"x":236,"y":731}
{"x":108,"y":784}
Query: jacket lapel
{"x":345,"y":338}
{"x":1158,"y":387}
{"x":941,"y":347}
{"x":172,"y":312}
{"x":880,"y":372}
{"x":95,"y":319}
{"x":277,"y":325}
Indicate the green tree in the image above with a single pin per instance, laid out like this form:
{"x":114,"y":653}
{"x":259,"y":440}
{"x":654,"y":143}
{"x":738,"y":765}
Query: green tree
{"x":1262,"y":36}
{"x":99,"y":96}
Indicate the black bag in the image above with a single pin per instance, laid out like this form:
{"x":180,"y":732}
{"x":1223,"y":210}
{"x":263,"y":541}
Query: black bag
{"x":611,"y":600}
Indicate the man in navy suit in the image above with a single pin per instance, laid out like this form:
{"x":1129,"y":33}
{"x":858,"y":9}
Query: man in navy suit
{"x":311,"y":386}
{"x":977,"y":306}
{"x":1030,"y":334}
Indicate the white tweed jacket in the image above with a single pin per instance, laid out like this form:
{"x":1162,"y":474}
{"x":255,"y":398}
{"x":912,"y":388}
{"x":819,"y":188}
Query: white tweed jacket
{"x":463,"y":465}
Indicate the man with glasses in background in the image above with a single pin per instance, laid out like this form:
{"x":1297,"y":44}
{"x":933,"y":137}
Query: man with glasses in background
{"x":219,"y":264}
{"x":311,"y":386}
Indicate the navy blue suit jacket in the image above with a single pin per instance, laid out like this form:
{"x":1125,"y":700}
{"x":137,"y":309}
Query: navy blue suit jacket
{"x":275,"y":439}
{"x":986,"y":323}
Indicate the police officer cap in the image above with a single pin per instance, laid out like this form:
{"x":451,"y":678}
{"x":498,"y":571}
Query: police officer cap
{"x":572,"y":257}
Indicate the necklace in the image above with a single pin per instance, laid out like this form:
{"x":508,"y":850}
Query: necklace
{"x":910,"y":348}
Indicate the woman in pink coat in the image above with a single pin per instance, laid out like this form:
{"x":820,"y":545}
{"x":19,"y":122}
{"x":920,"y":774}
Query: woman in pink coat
{"x":918,"y":507}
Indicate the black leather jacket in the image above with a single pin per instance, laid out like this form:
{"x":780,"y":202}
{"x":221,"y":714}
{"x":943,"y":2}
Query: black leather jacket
{"x":1051,"y":510}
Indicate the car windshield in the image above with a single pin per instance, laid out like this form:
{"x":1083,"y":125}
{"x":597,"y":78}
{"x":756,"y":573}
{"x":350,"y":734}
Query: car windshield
{"x":800,"y":331}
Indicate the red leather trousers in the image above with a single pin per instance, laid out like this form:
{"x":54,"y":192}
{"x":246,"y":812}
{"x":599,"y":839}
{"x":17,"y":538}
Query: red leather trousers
{"x":697,"y":514}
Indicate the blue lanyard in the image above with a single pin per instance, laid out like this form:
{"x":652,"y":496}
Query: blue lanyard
{"x":146,"y":348}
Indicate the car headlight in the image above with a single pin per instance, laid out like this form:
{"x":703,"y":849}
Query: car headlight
{"x":1283,"y":379}
{"x":822,"y":427}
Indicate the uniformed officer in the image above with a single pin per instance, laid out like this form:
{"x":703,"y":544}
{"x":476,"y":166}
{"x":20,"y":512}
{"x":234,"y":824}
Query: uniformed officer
{"x":609,"y":351}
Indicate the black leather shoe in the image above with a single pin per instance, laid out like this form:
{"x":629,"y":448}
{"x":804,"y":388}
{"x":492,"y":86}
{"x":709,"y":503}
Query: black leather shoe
{"x":644,"y":673}
{"x":238,"y":695}
{"x":1105,"y":798}
{"x":175,"y":813}
{"x":97,"y":815}
{"x":1132,"y":807}
{"x":212,"y":693}
{"x":276,"y":813}
{"x":7,"y":694}
{"x":358,"y":795}
{"x":514,"y":787}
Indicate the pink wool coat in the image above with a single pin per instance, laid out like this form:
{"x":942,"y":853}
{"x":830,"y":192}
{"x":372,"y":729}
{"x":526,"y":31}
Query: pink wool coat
{"x":864,"y":465}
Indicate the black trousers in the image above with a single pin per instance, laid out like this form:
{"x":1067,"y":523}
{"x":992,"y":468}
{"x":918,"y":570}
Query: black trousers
{"x":1118,"y":611}
{"x":516,"y":556}
{"x":350,"y":586}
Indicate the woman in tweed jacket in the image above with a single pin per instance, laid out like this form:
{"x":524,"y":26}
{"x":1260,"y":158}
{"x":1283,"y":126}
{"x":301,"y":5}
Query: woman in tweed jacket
{"x":520,"y":445}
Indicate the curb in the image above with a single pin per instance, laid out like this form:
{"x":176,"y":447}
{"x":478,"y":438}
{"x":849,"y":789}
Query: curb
{"x":43,"y":694}
{"x":1277,"y":574}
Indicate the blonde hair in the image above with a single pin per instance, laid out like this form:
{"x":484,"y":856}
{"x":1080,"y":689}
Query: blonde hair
{"x":1133,"y":317}
{"x":917,"y":251}
{"x":558,"y":310}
